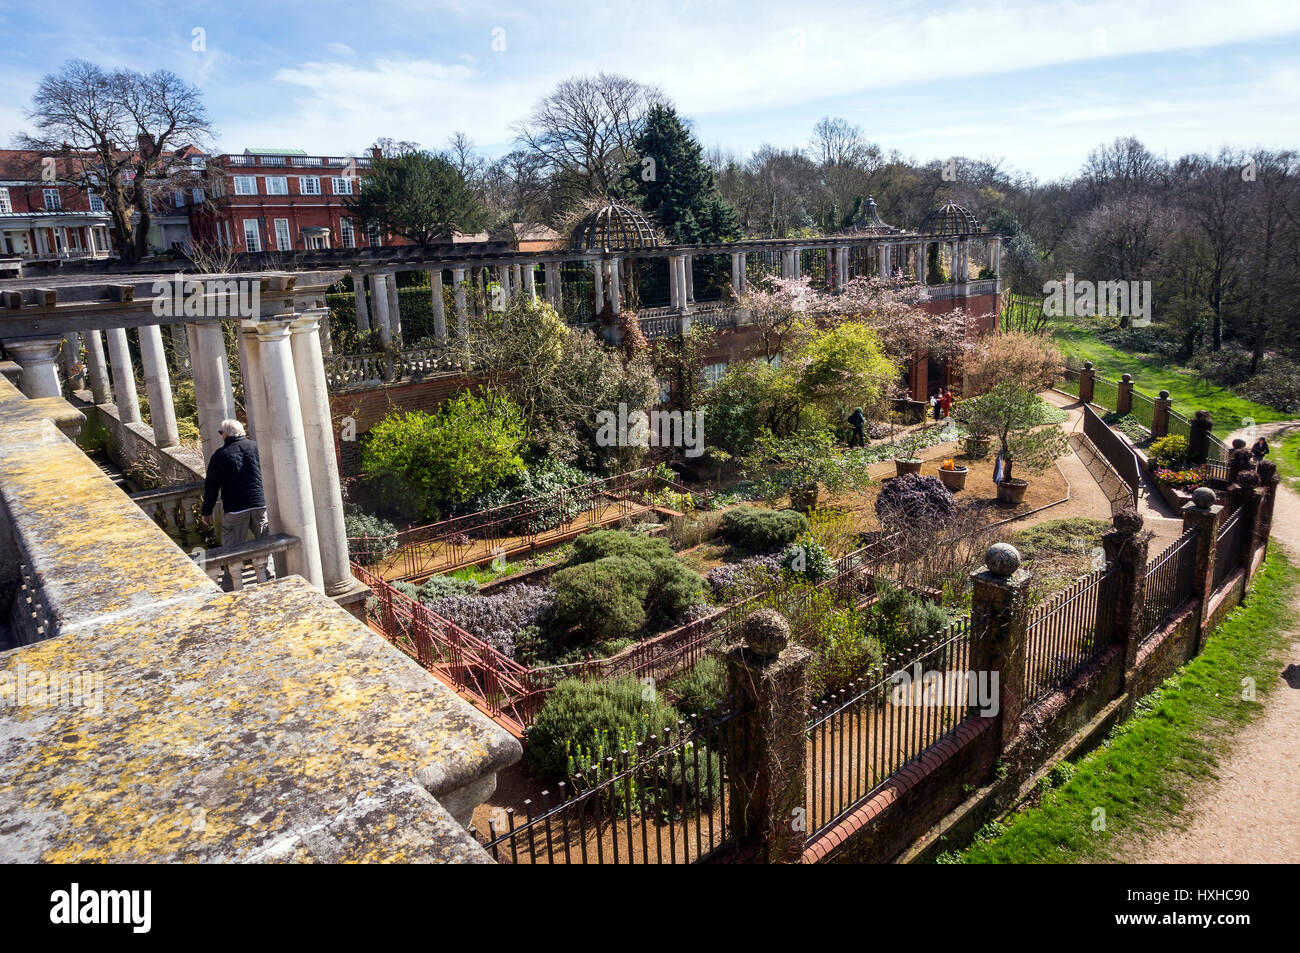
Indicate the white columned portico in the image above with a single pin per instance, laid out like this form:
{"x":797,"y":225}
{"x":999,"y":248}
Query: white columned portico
{"x":378,"y":284}
{"x":363,"y":307}
{"x":250,"y":362}
{"x":318,"y":432}
{"x":285,"y":435}
{"x":100,"y":390}
{"x":458,"y":293}
{"x":158,"y":385}
{"x":439,"y":307}
{"x":128,"y":402}
{"x":213,"y":394}
{"x":36,"y":356}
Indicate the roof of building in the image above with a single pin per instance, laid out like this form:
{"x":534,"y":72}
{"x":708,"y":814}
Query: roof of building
{"x":274,"y":152}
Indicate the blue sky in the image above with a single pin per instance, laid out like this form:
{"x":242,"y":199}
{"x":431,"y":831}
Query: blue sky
{"x":1035,"y":84}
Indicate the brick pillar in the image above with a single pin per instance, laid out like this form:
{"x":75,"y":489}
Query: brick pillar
{"x":1203,"y":513}
{"x":1124,"y":402}
{"x":1087,"y":380}
{"x":998,"y":621}
{"x":1127,"y":549}
{"x":1198,"y":444}
{"x":766,"y":751}
{"x":1268,"y":480}
{"x":1160,"y":416}
{"x":1248,"y":497}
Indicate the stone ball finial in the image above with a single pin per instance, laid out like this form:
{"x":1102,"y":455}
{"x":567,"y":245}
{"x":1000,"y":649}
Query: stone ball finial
{"x":1238,"y":443}
{"x":1002,"y":559}
{"x":1248,"y":479}
{"x":1126,"y":378}
{"x":1267,"y":471}
{"x":1164,"y":395}
{"x":1127,"y":520}
{"x":1204,"y":497}
{"x":1087,"y":365}
{"x":766,"y":633}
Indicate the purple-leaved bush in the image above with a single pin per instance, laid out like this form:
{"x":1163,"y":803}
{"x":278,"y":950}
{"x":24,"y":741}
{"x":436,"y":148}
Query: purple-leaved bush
{"x":498,"y":618}
{"x":732,"y":581}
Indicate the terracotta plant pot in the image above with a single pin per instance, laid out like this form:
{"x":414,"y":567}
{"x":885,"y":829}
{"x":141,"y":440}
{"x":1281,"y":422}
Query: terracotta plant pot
{"x":1012,"y":491}
{"x":954,"y":479}
{"x":907,"y":466}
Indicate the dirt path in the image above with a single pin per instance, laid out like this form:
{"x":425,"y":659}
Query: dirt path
{"x":1251,"y":812}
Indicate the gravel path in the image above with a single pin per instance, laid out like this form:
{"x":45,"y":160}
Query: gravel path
{"x":1250,"y":813}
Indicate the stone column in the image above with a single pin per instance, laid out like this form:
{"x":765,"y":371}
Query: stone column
{"x":766,"y":754}
{"x":516,"y":280}
{"x":318,"y":431}
{"x":284,"y":427}
{"x":502,"y":296}
{"x":554,"y":293}
{"x":615,"y":286}
{"x":394,"y":305}
{"x":128,"y":404}
{"x":684,"y":294}
{"x":999,"y":618}
{"x":378,"y":284}
{"x":181,"y":360}
{"x":363,"y":308}
{"x":1203,"y":514}
{"x":250,"y":361}
{"x":458,"y":292}
{"x":1160,"y":416}
{"x":1087,"y":382}
{"x":100,"y":390}
{"x":795,"y":265}
{"x":436,"y":302}
{"x":597,"y":277}
{"x":530,"y":280}
{"x":158,"y":385}
{"x":1127,"y":549}
{"x":995,"y":255}
{"x":737,"y":273}
{"x":477,"y":301}
{"x":40,"y":378}
{"x":882,"y":255}
{"x":212,"y":391}
{"x":674,"y":293}
{"x":1124,"y":402}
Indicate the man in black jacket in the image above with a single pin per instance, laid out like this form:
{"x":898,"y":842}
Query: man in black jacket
{"x":236,"y":473}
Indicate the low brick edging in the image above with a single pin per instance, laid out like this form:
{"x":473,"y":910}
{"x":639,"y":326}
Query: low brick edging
{"x":942,"y":753}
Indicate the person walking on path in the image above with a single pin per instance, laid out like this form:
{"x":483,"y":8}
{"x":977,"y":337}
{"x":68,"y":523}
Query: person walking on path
{"x":945,"y":401}
{"x":235,"y":473}
{"x":859,"y":424}
{"x":1260,"y":450}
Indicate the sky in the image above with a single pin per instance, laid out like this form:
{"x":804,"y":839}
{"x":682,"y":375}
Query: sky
{"x":1036,"y":85}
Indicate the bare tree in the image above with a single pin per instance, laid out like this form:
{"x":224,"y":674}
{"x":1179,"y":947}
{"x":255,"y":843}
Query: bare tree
{"x":582,"y":133}
{"x":117,"y":133}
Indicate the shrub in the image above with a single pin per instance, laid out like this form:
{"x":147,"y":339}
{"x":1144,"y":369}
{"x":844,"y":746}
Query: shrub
{"x":383,"y":539}
{"x":752,"y":530}
{"x":1170,"y":450}
{"x":545,"y":480}
{"x":417,"y":462}
{"x":703,"y":687}
{"x":900,"y":619}
{"x":911,"y":500}
{"x":581,"y":714}
{"x":498,"y":618}
{"x":605,"y":598}
{"x":675,"y":588}
{"x":810,"y":560}
{"x":603,"y":543}
{"x":733,"y":581}
{"x":441,"y":587}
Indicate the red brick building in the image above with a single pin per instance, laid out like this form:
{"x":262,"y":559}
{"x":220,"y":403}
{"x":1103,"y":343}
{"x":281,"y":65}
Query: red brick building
{"x":42,"y":219}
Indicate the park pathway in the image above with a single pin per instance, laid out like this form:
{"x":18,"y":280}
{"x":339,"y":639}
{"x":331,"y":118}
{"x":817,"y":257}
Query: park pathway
{"x":1250,"y":813}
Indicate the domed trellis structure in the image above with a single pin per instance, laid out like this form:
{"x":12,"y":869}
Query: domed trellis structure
{"x":613,"y":226}
{"x":869,"y":221}
{"x":950,"y":219}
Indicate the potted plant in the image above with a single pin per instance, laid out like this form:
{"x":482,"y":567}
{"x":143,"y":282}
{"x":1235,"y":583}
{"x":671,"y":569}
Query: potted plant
{"x":803,"y":463}
{"x":905,"y":456}
{"x":1019,"y":419}
{"x":953,"y":476}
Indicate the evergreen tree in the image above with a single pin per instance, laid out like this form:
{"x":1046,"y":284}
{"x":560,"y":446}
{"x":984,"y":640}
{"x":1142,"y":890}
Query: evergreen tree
{"x":675,"y":185}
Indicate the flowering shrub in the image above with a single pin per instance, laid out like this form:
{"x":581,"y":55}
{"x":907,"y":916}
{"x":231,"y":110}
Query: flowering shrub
{"x":369,"y":537}
{"x":1169,"y":451}
{"x":498,"y":618}
{"x":732,"y":581}
{"x":1186,"y":479}
{"x":810,"y":560}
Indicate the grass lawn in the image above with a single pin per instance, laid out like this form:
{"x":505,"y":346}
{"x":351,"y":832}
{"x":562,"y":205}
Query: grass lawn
{"x":1077,"y":339}
{"x":1287,"y":455}
{"x":1143,"y":775}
